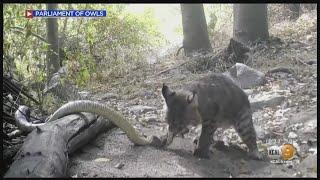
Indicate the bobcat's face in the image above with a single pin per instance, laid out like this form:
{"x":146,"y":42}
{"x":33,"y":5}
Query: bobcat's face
{"x":182,"y":111}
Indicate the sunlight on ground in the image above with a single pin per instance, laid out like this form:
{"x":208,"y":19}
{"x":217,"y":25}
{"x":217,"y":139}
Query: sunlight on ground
{"x":169,"y":17}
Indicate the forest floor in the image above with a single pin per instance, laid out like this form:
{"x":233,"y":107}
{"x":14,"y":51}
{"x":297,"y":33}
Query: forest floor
{"x":138,"y":97}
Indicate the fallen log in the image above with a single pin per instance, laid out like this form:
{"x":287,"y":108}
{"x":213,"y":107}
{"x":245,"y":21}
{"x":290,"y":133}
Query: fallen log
{"x":88,"y":134}
{"x":45,"y":150}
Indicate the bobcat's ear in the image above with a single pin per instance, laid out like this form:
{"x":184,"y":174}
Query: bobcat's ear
{"x":193,"y":99}
{"x":166,"y":92}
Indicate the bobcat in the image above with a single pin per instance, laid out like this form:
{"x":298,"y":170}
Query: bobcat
{"x":213,"y":101}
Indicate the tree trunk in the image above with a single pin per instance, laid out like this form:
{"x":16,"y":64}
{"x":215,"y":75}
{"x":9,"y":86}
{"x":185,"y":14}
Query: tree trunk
{"x":294,"y":11}
{"x":45,"y":151}
{"x":53,"y":63}
{"x":250,"y":22}
{"x":195,"y":32}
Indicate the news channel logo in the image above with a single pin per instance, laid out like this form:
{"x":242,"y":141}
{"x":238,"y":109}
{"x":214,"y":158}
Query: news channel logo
{"x":64,"y":13}
{"x":282,"y":154}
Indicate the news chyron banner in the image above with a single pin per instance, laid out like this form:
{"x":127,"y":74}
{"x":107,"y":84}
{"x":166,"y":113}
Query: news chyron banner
{"x":65,"y":13}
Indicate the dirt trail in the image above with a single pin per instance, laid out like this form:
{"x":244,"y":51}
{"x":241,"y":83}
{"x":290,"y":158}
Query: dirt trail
{"x":176,"y":161}
{"x":104,"y":156}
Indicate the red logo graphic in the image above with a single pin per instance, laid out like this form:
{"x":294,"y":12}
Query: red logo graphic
{"x":29,"y":14}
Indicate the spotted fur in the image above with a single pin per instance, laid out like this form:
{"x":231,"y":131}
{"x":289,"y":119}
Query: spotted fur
{"x":213,"y":101}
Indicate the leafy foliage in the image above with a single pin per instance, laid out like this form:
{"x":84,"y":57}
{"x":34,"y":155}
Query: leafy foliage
{"x":220,"y":23}
{"x":112,"y":46}
{"x":24,"y":48}
{"x":94,"y":48}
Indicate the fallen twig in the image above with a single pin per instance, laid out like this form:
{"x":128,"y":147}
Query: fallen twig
{"x":174,"y":67}
{"x":185,"y":62}
{"x":300,"y":61}
{"x":276,"y":133}
{"x":281,"y":69}
{"x":312,"y":62}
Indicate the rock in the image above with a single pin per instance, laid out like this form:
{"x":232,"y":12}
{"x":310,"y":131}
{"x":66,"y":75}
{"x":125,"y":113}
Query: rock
{"x":268,"y":99}
{"x":279,"y":113}
{"x":245,"y":76}
{"x":248,"y":91}
{"x":109,"y":96}
{"x":310,"y":125}
{"x":84,"y":94}
{"x":313,"y":151}
{"x":295,"y":127}
{"x":261,"y":133}
{"x":309,"y":38}
{"x":312,"y":61}
{"x":296,"y":146}
{"x":292,"y":135}
{"x":119,"y":165}
{"x":145,"y":94}
{"x":266,"y":116}
{"x":297,"y":174}
{"x":141,"y":109}
{"x":163,"y":129}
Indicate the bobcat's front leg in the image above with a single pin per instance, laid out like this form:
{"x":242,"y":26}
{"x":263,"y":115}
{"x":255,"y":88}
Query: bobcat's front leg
{"x":205,"y":140}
